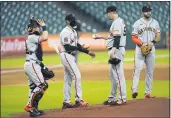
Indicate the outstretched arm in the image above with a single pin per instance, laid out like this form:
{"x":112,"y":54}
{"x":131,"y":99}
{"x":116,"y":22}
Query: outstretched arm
{"x":96,"y":36}
{"x":80,"y":48}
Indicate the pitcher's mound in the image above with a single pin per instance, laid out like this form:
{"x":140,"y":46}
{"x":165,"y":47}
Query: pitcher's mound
{"x":154,"y":107}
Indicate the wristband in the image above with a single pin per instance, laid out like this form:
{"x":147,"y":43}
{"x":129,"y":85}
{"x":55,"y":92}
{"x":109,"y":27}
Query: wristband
{"x":44,"y":28}
{"x":154,"y":41}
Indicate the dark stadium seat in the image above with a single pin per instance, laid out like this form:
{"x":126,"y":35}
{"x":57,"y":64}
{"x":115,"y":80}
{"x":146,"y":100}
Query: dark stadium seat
{"x":15,"y":15}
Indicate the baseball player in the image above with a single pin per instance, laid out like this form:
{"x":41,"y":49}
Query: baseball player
{"x":146,"y":31}
{"x":69,"y":47}
{"x":115,"y":42}
{"x":33,"y":65}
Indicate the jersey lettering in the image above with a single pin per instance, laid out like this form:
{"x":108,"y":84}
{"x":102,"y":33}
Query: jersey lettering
{"x":146,"y":29}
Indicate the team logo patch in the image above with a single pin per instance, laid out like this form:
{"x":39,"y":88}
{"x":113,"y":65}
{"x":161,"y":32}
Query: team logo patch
{"x":66,"y":39}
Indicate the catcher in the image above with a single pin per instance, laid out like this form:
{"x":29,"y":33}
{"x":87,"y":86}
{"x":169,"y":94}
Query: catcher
{"x":34,"y":68}
{"x":146,"y":32}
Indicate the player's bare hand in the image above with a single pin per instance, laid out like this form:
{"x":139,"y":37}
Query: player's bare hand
{"x":92,"y":54}
{"x":112,"y":52}
{"x":85,"y":46}
{"x":41,"y":22}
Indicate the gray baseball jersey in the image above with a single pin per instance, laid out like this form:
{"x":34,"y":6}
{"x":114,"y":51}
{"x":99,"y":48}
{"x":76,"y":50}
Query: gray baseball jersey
{"x":68,"y":36}
{"x":117,"y":78}
{"x":118,"y":28}
{"x":146,"y":32}
{"x":71,"y":70}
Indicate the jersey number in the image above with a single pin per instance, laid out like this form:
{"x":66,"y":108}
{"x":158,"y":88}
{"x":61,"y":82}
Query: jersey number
{"x":124,"y":33}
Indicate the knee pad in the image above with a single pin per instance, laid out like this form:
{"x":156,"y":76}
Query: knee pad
{"x":37,"y":96}
{"x":43,"y":87}
{"x":32,"y":86}
{"x":40,"y":91}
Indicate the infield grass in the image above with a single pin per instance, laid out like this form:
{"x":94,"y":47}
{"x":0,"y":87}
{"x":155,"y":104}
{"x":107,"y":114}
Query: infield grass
{"x":14,"y":98}
{"x":101,"y":57}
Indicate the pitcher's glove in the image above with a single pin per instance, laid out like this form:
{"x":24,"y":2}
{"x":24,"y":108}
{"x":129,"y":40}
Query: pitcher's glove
{"x":114,"y":61}
{"x":47,"y":74}
{"x":146,"y":48}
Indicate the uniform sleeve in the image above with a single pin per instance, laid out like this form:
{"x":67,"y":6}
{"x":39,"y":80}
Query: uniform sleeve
{"x":116,"y":29}
{"x":65,"y":38}
{"x":157,"y":27}
{"x":135,"y":28}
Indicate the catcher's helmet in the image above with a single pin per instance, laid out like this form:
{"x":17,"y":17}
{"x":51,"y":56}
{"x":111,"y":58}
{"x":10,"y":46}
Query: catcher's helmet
{"x":71,"y":18}
{"x":33,"y":23}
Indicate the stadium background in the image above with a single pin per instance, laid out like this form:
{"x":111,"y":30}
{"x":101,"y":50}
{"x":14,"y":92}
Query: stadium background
{"x":15,"y":15}
{"x":14,"y":19}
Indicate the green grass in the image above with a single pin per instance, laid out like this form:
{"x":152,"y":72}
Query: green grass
{"x":83,"y":58}
{"x":14,"y":98}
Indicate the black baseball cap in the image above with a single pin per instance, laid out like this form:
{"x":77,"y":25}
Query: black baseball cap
{"x":110,"y":9}
{"x":146,"y":8}
{"x":70,"y":17}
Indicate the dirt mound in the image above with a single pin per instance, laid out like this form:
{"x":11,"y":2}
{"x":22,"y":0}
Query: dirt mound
{"x":155,"y":107}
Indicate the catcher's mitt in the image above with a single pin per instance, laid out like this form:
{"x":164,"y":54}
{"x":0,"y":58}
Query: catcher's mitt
{"x":47,"y":74}
{"x":145,"y":49}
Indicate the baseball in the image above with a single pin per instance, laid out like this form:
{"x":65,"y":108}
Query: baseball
{"x":94,"y":36}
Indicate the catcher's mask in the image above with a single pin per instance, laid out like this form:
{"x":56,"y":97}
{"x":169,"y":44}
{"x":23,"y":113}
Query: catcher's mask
{"x":71,"y":18}
{"x":33,"y":24}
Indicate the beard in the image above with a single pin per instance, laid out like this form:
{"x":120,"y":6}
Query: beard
{"x":147,"y":16}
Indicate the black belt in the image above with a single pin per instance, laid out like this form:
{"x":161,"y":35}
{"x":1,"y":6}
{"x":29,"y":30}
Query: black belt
{"x":33,"y":60}
{"x":112,"y":47}
{"x":71,"y":53}
{"x":29,"y":53}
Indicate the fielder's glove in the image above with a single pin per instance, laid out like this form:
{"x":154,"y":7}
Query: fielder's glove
{"x":146,"y":48}
{"x":114,"y":61}
{"x":47,"y":74}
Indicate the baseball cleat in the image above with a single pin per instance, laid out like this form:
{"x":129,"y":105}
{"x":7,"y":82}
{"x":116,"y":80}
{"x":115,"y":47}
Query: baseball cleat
{"x":149,"y":96}
{"x":107,"y":102}
{"x":81,"y":103}
{"x":134,"y":95}
{"x":28,"y":108}
{"x":117,"y":103}
{"x":41,"y":112}
{"x":33,"y":111}
{"x":67,"y":105}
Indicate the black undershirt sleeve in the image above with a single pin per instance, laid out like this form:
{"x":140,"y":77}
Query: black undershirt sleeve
{"x":116,"y":41}
{"x":70,"y":48}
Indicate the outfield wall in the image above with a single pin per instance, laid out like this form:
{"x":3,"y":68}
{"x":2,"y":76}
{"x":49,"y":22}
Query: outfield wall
{"x":16,"y":45}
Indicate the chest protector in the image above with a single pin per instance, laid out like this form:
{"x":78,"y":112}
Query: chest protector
{"x":39,"y":52}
